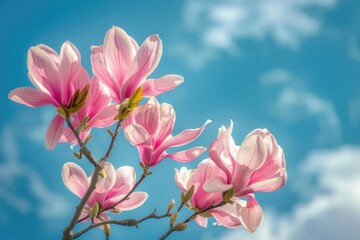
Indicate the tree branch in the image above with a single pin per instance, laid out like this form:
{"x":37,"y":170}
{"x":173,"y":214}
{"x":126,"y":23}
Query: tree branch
{"x":67,"y":233}
{"x":111,"y":145}
{"x":192,"y":217}
{"x":125,"y":222}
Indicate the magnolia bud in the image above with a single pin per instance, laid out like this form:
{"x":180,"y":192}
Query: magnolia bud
{"x":189,"y":194}
{"x":171,"y":205}
{"x":180,"y":226}
{"x":107,"y":230}
{"x":95,"y":210}
{"x":173,"y":218}
{"x":102,"y":173}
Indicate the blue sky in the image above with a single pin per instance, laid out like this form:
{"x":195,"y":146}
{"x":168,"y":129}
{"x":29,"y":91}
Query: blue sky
{"x":292,"y":66}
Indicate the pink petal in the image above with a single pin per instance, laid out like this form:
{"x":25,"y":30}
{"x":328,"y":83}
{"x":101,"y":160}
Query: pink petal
{"x":252,"y":152}
{"x":75,"y":179}
{"x":184,"y":178}
{"x":166,"y":121}
{"x":147,"y":116}
{"x":68,"y":136}
{"x":185,"y":136}
{"x":268,"y":185}
{"x":146,"y":60}
{"x":136,"y":200}
{"x":223,"y":151}
{"x":201,"y":221}
{"x":155,"y":87}
{"x":105,"y":117}
{"x":31,"y":97}
{"x":228,"y":215}
{"x":206,"y":170}
{"x":54,"y":132}
{"x":251,"y":215}
{"x":187,"y":155}
{"x":216,"y":184}
{"x":118,"y":53}
{"x":182,"y":138}
{"x":137,"y":135}
{"x":70,"y":62}
{"x":44,"y":71}
{"x":105,"y":184}
{"x":125,"y":180}
{"x":100,"y":71}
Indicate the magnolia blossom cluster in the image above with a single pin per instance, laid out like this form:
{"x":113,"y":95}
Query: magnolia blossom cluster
{"x":222,"y":186}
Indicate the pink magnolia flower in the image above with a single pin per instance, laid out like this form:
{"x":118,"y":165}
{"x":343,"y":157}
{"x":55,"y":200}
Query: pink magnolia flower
{"x":239,"y":213}
{"x":109,"y":190}
{"x":149,"y":128}
{"x":97,"y":112}
{"x":124,"y":66}
{"x":56,"y":78}
{"x":258,"y":165}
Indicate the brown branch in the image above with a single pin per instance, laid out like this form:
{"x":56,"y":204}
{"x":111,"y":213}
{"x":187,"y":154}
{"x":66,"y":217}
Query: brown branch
{"x":125,"y":222}
{"x":67,"y":233}
{"x":192,"y":217}
{"x":111,"y":145}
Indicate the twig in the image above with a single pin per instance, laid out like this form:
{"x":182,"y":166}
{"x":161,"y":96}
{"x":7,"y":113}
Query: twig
{"x":67,"y":233}
{"x":192,"y":217}
{"x":125,"y":222}
{"x":111,"y":145}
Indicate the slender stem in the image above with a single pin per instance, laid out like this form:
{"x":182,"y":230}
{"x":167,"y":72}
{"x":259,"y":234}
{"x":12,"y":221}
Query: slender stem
{"x":143,"y":176}
{"x":111,"y":145}
{"x":192,"y":217}
{"x":82,"y":145}
{"x":180,"y":207}
{"x":125,"y":222}
{"x":67,"y":234}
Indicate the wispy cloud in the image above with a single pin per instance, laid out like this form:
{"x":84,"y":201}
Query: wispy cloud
{"x":49,"y":203}
{"x":211,"y":27}
{"x":330,"y":212}
{"x":296,"y":103}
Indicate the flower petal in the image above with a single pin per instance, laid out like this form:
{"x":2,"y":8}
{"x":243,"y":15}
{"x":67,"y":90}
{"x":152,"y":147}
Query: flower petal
{"x":105,"y":117}
{"x":184,"y":178}
{"x":201,"y":221}
{"x":31,"y":97}
{"x":118,"y":52}
{"x":187,"y":155}
{"x":54,"y":132}
{"x":216,"y":184}
{"x":75,"y":179}
{"x":155,"y":87}
{"x":105,"y":184}
{"x":137,"y":135}
{"x":182,"y":138}
{"x":251,"y":215}
{"x":43,"y":71}
{"x":100,"y":71}
{"x":268,"y":185}
{"x":145,"y":61}
{"x":185,"y":136}
{"x":135,"y":200}
{"x":252,"y":152}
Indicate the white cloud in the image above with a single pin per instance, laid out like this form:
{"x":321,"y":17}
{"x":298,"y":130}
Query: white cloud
{"x":295,"y":103}
{"x":331,"y":212}
{"x":218,"y":25}
{"x":50,"y":204}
